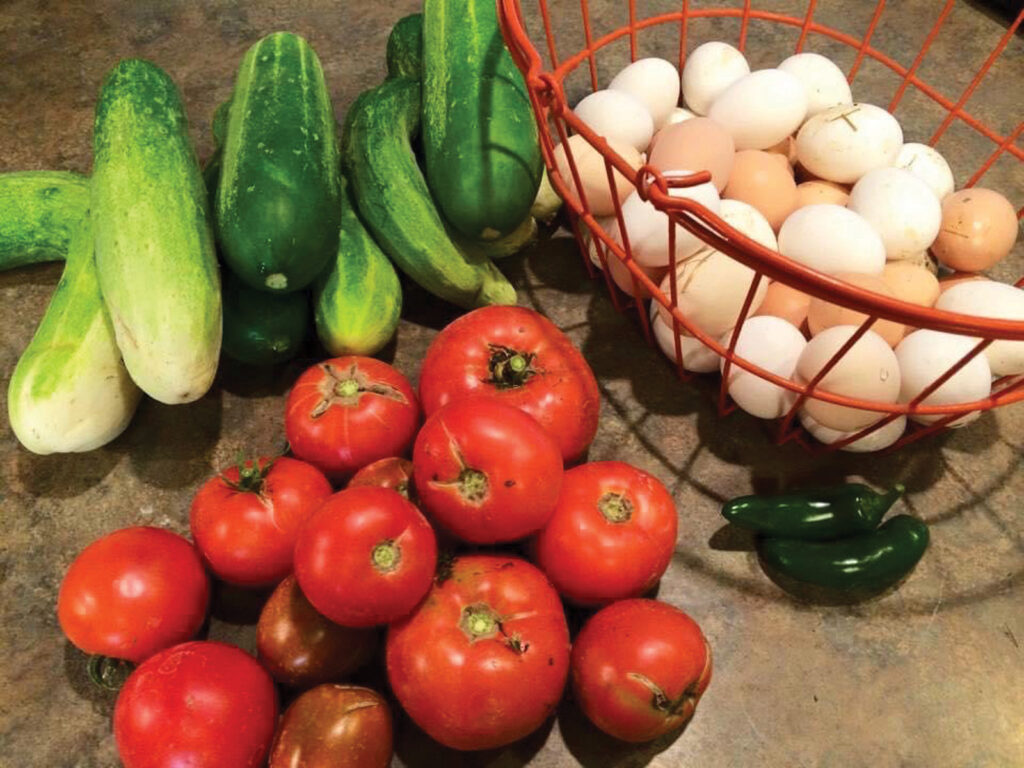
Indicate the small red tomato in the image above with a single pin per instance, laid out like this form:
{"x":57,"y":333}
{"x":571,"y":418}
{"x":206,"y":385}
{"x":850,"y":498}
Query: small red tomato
{"x":132,"y":593}
{"x":334,"y":726}
{"x":486,"y":471}
{"x":483,"y":660}
{"x":346,"y":412}
{"x":246,"y":519}
{"x":300,"y":648}
{"x":392,"y":472}
{"x":639,"y":667}
{"x":201,"y":704}
{"x":518,"y":356}
{"x":612,"y":534}
{"x":366,"y":557}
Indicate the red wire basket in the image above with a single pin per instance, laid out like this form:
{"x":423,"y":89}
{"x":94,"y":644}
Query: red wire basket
{"x":556,"y":121}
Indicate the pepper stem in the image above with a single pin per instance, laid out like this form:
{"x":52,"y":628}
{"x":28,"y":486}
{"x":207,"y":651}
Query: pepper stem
{"x":386,"y":556}
{"x":877,"y":504}
{"x":615,"y":507}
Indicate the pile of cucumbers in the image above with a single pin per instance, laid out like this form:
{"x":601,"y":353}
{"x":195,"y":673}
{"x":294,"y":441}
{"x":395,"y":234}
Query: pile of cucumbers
{"x":168,"y":266}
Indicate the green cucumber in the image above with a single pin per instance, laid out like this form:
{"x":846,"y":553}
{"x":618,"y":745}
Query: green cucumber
{"x":547,"y":204}
{"x":154,"y":246}
{"x":279,"y":197}
{"x":479,"y":137}
{"x":396,"y":206}
{"x":522,"y":236}
{"x":70,"y":392}
{"x":405,"y":47}
{"x":39,"y":212}
{"x":357,"y":302}
{"x":219,"y":124}
{"x":263,"y":328}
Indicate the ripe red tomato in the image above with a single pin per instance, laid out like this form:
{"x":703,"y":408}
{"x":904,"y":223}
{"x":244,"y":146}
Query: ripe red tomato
{"x":639,"y":667}
{"x":346,"y":412}
{"x":246,"y":519}
{"x":483,"y":660}
{"x":334,"y":726}
{"x":392,"y":472}
{"x":486,"y":471}
{"x":366,"y":557}
{"x":301,"y":648}
{"x":521,"y":358}
{"x":132,"y":593}
{"x":612,"y":534}
{"x":201,"y":704}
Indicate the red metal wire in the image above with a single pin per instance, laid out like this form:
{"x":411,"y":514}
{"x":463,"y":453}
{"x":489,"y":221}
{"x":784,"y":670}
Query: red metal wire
{"x":995,"y":156}
{"x":588,"y":36}
{"x":806,"y":26}
{"x":865,"y":44}
{"x":632,"y":30}
{"x":682,"y":34}
{"x":744,"y":25}
{"x":921,"y":54}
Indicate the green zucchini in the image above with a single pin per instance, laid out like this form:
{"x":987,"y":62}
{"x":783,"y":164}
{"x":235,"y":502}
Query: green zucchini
{"x":405,"y":47}
{"x":479,"y":138}
{"x":395,"y":203}
{"x":357,"y":302}
{"x":39,"y":212}
{"x":70,"y":392}
{"x":154,"y":246}
{"x":279,"y":197}
{"x":263,"y":328}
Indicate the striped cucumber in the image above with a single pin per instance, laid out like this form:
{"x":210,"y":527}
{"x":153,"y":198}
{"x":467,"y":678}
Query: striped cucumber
{"x":358,"y":301}
{"x":154,"y":246}
{"x":39,"y":212}
{"x":405,"y":47}
{"x":479,"y":137}
{"x":70,"y":392}
{"x":396,"y":206}
{"x":279,"y":197}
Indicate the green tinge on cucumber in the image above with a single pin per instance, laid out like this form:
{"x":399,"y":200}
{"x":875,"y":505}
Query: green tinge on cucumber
{"x":405,"y":47}
{"x":39,"y":213}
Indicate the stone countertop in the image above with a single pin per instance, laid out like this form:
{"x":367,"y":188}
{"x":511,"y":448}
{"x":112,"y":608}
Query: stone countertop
{"x":926,"y":675}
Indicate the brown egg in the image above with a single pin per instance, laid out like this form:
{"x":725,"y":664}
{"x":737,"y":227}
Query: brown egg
{"x":823,"y":314}
{"x":979,"y":227}
{"x":699,"y":144}
{"x":623,"y":278}
{"x":760,"y":179}
{"x":786,"y":148}
{"x":947,"y":282}
{"x":911,"y":283}
{"x":785,"y":302}
{"x":593,"y":174}
{"x":820,"y":192}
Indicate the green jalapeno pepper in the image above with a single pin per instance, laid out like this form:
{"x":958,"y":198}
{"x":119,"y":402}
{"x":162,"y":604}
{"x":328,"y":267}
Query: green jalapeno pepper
{"x":818,"y":514}
{"x":869,"y":561}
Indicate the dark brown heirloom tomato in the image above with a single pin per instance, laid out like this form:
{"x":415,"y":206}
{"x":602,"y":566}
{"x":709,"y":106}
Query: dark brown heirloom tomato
{"x":301,"y":648}
{"x":334,"y":726}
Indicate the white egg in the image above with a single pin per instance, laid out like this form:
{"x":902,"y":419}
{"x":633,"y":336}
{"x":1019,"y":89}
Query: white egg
{"x":697,"y":357}
{"x":843,"y":143}
{"x":987,"y":298}
{"x":655,"y":82}
{"x":878,"y":440}
{"x":900,"y":207}
{"x":617,"y":116}
{"x":761,"y":109}
{"x":679,"y":115}
{"x":925,"y":355}
{"x":824,"y":83}
{"x":867,"y":371}
{"x":710,"y":290}
{"x":774,"y":345}
{"x":832,"y":239}
{"x":647,"y":227}
{"x":710,"y":69}
{"x":928,"y":165}
{"x":750,"y":221}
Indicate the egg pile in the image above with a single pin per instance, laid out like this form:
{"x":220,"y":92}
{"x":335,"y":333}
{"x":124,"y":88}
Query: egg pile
{"x":801,"y":168}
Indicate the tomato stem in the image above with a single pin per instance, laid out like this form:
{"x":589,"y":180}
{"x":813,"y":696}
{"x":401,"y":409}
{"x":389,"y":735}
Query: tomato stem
{"x":473,"y":485}
{"x":479,"y":621}
{"x":250,"y":476}
{"x":615,"y":507}
{"x":386,"y":556}
{"x":347,"y":388}
{"x":508,"y":367}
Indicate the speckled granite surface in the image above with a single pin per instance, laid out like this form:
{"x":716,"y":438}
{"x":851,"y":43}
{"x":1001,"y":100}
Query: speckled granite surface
{"x":926,"y":676}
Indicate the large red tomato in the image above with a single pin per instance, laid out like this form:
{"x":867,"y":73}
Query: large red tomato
{"x":486,"y":471}
{"x":612,"y":534}
{"x":483,"y":660}
{"x":346,"y":412}
{"x":366,"y":557}
{"x":202,"y":704}
{"x":520,"y":357}
{"x":133,"y":593}
{"x":639,"y":667}
{"x":246,"y":519}
{"x":392,"y":472}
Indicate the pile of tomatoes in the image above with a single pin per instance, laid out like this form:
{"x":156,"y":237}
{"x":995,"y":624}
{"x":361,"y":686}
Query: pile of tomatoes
{"x":465,"y":554}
